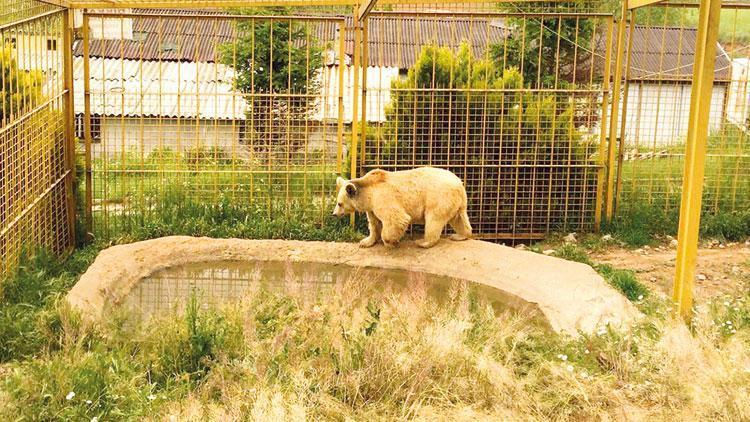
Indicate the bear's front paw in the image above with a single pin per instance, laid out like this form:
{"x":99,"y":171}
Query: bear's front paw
{"x":426,"y":243}
{"x":367,"y":242}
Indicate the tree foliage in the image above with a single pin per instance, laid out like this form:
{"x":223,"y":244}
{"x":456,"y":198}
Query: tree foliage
{"x":272,"y":57}
{"x":21,"y":89}
{"x":477,"y":102}
{"x":482,"y":123}
{"x":550,"y":49}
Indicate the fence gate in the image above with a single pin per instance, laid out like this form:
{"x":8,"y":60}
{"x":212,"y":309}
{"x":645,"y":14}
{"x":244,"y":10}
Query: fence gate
{"x":513,"y":103}
{"x":182,"y":109}
{"x":654,"y":123}
{"x":36,"y":158}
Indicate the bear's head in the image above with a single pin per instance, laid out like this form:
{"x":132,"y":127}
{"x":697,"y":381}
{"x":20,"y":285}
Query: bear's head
{"x":346,"y":200}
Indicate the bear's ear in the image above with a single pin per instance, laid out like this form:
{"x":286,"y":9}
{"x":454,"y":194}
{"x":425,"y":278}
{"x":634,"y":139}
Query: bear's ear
{"x":351,"y":190}
{"x":340,"y":182}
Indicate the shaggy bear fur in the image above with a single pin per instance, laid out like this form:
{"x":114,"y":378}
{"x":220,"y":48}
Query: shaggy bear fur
{"x":393,"y":200}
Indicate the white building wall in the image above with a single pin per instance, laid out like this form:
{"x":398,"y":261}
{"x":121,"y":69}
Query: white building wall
{"x":658,"y":114}
{"x":143,"y":136}
{"x":378,"y":93}
{"x":738,"y":104}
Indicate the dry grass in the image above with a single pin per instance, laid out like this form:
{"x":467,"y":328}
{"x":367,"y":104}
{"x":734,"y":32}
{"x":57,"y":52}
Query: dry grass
{"x":362,"y":353}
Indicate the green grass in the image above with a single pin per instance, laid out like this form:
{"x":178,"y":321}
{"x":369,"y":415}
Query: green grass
{"x":648,"y":207}
{"x":361,"y":354}
{"x":28,"y":299}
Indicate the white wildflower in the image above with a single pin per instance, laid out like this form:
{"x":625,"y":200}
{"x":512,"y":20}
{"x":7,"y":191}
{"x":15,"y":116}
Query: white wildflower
{"x":570,"y":368}
{"x":70,"y":396}
{"x":151,"y":397}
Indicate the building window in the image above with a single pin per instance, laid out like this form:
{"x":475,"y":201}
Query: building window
{"x":96,"y":128}
{"x":13,"y":42}
{"x":168,"y":47}
{"x":51,"y":45}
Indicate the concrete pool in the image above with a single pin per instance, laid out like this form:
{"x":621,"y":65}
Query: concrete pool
{"x":154,"y":275}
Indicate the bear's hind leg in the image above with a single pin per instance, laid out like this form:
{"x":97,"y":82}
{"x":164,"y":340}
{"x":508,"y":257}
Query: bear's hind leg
{"x":461,"y":226}
{"x":433,"y":227}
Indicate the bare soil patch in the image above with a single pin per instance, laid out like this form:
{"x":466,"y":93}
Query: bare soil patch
{"x":721,"y":268}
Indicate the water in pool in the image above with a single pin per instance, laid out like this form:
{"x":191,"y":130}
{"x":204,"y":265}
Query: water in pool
{"x":217,"y":283}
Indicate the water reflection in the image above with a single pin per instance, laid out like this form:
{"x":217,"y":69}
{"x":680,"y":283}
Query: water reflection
{"x":217,"y":283}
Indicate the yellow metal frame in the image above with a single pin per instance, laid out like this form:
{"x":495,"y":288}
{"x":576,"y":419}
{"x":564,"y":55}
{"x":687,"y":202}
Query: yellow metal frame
{"x":695,"y":155}
{"x":88,"y":218}
{"x":623,"y":126}
{"x":603,"y":156}
{"x":635,"y":4}
{"x":70,"y":139}
{"x":38,"y":209}
{"x":613,"y":125}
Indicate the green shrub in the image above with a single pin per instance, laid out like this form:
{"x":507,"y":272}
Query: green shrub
{"x":625,"y":281}
{"x":186,"y":350}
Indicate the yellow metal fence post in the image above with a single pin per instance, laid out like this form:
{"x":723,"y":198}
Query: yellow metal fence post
{"x":70,"y":143}
{"x":364,"y":63}
{"x":601,"y":178}
{"x":695,"y":154}
{"x":356,"y":67}
{"x":613,"y":125}
{"x":87,"y":123}
{"x":623,"y":127}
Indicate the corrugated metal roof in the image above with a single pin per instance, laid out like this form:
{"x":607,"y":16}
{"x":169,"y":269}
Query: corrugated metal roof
{"x":393,"y":41}
{"x":166,"y":89}
{"x":667,"y":53}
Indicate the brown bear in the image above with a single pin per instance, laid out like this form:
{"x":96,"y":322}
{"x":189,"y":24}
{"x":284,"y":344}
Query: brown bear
{"x":393,"y":200}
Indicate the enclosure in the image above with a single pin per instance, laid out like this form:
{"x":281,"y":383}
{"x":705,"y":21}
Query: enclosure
{"x":556,"y":115}
{"x":167,"y":176}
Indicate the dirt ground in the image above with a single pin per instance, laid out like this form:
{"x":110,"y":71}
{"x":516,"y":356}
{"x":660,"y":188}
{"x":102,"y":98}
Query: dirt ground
{"x":722,"y":267}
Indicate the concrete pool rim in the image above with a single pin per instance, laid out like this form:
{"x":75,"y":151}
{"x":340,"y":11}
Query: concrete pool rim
{"x":568,"y":296}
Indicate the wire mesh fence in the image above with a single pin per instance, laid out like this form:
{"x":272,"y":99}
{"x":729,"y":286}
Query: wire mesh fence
{"x":36,"y":208}
{"x":210,"y":107}
{"x":660,"y":57}
{"x":511,"y":103}
{"x":265,"y":110}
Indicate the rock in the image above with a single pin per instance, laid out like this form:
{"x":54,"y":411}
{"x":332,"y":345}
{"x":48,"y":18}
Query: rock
{"x":521,"y":247}
{"x":673,"y":243}
{"x":607,"y":238}
{"x":652,"y":279}
{"x":549,"y":252}
{"x":570,"y":238}
{"x":701,"y":277}
{"x":721,"y":246}
{"x":640,"y":251}
{"x":736,"y":270}
{"x":670,"y":238}
{"x":647,"y":247}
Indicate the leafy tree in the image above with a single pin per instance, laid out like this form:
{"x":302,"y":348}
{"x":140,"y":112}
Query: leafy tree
{"x":482,"y":124}
{"x":21,"y":90}
{"x":550,"y":49}
{"x":274,"y":57}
